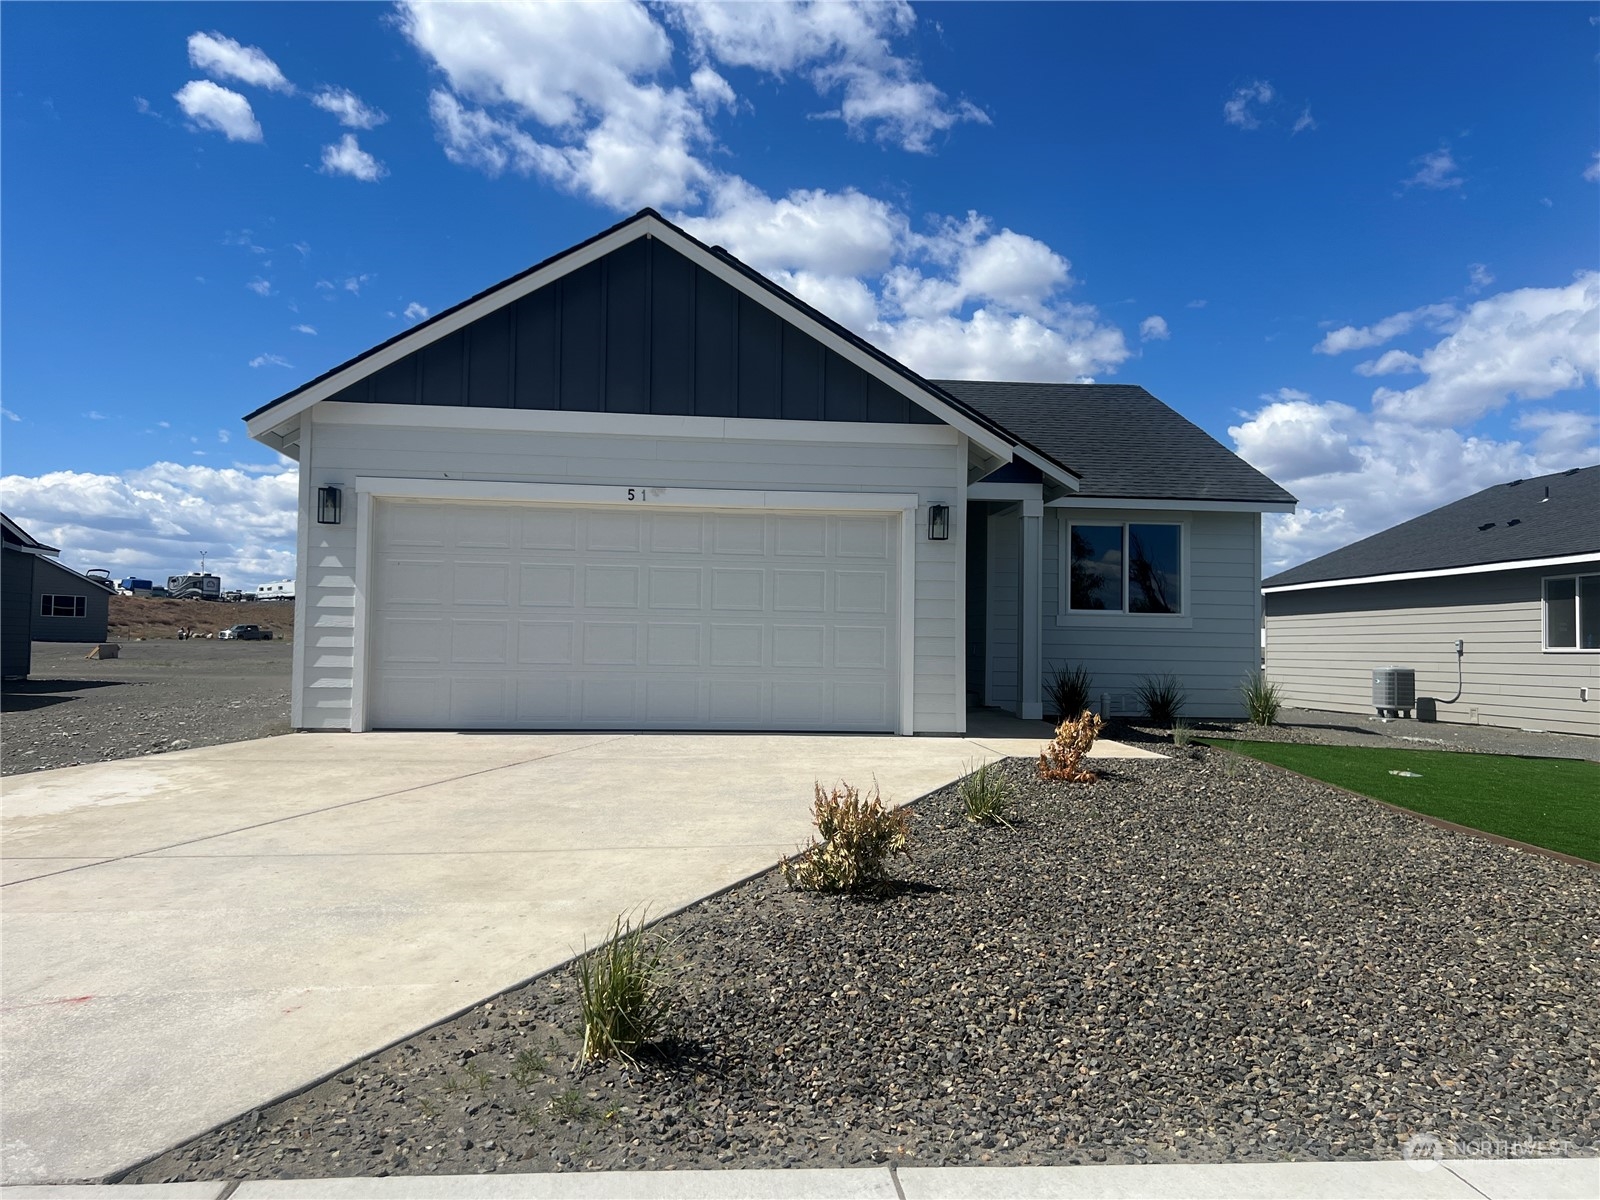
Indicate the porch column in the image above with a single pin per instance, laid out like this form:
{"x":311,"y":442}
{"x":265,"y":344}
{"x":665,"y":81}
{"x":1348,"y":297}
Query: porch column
{"x":1031,"y":705}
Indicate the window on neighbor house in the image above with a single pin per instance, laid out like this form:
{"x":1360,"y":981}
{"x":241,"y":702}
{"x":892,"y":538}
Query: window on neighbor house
{"x":61,"y":606}
{"x":1572,"y":613}
{"x":1125,"y":568}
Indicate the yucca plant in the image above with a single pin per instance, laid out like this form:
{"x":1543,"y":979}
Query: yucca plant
{"x":986,"y":796}
{"x":858,"y":833}
{"x":623,"y":992}
{"x":1068,"y":689}
{"x":1063,"y":757}
{"x":1162,"y":697}
{"x":1262,"y":700}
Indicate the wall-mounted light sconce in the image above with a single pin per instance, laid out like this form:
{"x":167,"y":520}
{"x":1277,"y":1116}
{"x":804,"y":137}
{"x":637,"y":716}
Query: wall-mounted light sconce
{"x":938,"y":522}
{"x":328,"y":505}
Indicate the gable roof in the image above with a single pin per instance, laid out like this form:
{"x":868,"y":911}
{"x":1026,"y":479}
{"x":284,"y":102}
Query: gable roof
{"x":15,"y":537}
{"x":649,"y":223}
{"x":1122,"y":441}
{"x":1510,"y":524}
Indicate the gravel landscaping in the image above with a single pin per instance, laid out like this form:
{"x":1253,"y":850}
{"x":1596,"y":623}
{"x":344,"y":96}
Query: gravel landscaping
{"x":1198,"y":960}
{"x":156,"y":696}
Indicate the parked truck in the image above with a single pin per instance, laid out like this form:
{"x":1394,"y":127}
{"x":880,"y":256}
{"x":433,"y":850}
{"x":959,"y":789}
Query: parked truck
{"x":196,"y":585}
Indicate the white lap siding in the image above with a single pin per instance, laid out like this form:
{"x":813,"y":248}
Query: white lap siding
{"x":1213,"y":646}
{"x":346,"y":443}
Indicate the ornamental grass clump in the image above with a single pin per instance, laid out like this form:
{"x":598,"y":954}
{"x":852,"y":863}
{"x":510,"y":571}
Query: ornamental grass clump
{"x":985,"y":795}
{"x":1063,"y":757}
{"x":1262,"y":700}
{"x":1068,"y":690}
{"x":623,"y":993}
{"x":858,"y":835}
{"x":1162,"y":698}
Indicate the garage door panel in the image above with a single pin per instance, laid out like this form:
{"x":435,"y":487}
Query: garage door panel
{"x":548,"y":585}
{"x":632,"y":619}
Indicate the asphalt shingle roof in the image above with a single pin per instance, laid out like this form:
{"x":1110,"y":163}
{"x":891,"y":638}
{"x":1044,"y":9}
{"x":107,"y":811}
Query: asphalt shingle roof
{"x":1122,"y":441}
{"x":1506,"y":523}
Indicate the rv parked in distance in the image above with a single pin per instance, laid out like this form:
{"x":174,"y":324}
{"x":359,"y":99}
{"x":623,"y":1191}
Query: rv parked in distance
{"x":283,"y":589}
{"x":195,"y":586}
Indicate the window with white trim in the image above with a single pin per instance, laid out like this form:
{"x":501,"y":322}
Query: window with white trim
{"x":62,"y":606}
{"x":1132,"y":567}
{"x":1572,"y":612}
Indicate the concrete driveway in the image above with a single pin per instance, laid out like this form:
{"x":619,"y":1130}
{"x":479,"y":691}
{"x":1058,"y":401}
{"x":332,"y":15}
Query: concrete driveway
{"x":189,"y":936}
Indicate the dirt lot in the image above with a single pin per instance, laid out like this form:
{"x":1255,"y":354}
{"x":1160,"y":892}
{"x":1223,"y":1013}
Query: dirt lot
{"x":158,"y":696}
{"x":136,"y":617}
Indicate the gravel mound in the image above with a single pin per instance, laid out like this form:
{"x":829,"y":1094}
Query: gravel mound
{"x":154,"y":697}
{"x":1202,"y":960}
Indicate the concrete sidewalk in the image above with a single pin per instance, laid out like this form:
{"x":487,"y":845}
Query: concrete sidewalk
{"x":192,"y":935}
{"x":1451,"y":1179}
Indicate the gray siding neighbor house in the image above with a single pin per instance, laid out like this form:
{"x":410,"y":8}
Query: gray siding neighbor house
{"x":1511,"y":572}
{"x":640,"y":486}
{"x":44,"y":601}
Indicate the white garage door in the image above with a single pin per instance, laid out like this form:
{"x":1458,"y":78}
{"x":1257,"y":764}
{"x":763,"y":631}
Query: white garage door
{"x":487,"y":616}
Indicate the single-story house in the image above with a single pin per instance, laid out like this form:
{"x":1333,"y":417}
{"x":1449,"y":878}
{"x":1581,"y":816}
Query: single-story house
{"x":640,"y":486}
{"x":44,"y":600}
{"x":1494,"y":602}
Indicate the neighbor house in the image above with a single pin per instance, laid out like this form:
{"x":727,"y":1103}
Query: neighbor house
{"x":641,"y":486}
{"x":44,"y":600}
{"x":1512,"y":573}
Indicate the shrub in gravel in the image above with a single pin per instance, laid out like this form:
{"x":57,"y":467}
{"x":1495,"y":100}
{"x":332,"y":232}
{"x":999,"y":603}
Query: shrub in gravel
{"x":1262,"y":700}
{"x":1068,"y":690}
{"x":623,"y":993}
{"x":1162,"y":697}
{"x":1063,"y":757}
{"x":858,"y":835}
{"x":985,"y":795}
{"x":1182,"y":733}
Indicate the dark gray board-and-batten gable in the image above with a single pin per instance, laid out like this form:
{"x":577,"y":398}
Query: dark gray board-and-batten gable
{"x":641,"y":330}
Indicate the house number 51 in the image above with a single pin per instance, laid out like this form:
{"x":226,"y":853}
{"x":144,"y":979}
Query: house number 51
{"x":636,"y":495}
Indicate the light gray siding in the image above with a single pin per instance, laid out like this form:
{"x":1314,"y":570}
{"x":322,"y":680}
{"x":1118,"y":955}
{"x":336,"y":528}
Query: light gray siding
{"x":928,"y":464}
{"x":1210,"y":648}
{"x":1323,"y":643}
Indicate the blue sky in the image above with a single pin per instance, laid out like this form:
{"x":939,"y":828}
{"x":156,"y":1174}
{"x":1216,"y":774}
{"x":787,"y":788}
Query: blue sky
{"x":1359,"y":243}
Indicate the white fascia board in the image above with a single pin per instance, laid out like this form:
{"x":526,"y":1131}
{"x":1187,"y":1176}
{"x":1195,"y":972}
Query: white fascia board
{"x":647,"y":227}
{"x":1521,"y":564}
{"x":543,"y":420}
{"x":623,"y":496}
{"x":1255,"y":506}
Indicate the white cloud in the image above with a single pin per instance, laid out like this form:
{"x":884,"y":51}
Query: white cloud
{"x":154,"y":521}
{"x":348,"y":108}
{"x":224,"y":436}
{"x":346,"y":157}
{"x":1154,"y":329}
{"x":1390,"y":362}
{"x":270,"y":360}
{"x":1240,"y":109}
{"x":1437,"y":170}
{"x":95,"y":415}
{"x":1305,"y":121}
{"x":8,"y":414}
{"x":1527,"y":344}
{"x":998,"y":345}
{"x":213,"y":107}
{"x":304,"y":329}
{"x":1479,"y":277}
{"x":1351,"y":337}
{"x":1195,"y":304}
{"x":584,"y":72}
{"x":259,"y":286}
{"x":1592,"y":171}
{"x":224,"y":58}
{"x":828,"y":233}
{"x":843,"y":48}
{"x":415,"y":311}
{"x":355,"y":283}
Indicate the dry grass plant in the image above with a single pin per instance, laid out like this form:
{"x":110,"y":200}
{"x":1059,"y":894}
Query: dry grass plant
{"x":1062,"y":759}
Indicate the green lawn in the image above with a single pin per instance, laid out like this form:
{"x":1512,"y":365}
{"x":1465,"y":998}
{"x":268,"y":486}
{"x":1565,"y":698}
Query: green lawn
{"x":1551,"y":802}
